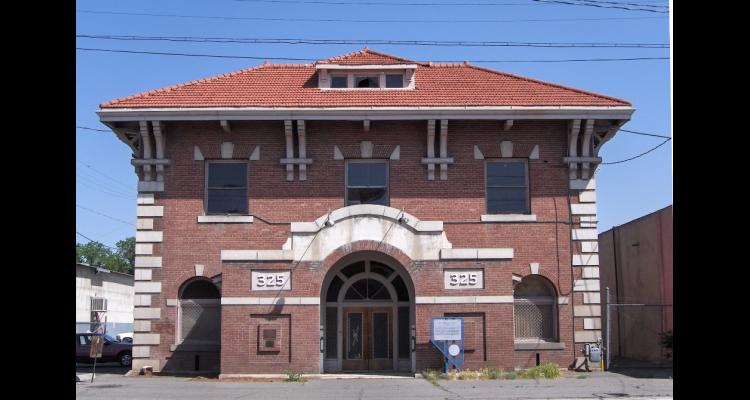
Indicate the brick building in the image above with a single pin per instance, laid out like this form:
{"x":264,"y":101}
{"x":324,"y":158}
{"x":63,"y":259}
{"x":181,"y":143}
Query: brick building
{"x":314,"y":217}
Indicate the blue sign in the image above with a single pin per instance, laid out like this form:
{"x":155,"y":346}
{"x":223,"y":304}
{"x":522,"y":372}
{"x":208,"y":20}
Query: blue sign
{"x":447,"y":335}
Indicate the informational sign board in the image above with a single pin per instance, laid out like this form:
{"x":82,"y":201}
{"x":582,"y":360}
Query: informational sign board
{"x":97,"y":344}
{"x":447,"y":335}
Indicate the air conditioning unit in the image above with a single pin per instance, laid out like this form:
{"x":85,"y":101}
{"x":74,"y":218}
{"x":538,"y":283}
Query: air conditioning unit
{"x":98,"y":304}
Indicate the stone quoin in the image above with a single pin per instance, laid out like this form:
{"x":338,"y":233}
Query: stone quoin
{"x":315,"y":217}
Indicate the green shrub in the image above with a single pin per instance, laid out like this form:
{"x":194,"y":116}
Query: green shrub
{"x":510,"y":375}
{"x":550,"y":371}
{"x":294,"y":377}
{"x":469,"y":375}
{"x":532,"y":373}
{"x":431,"y":375}
{"x":492,"y":373}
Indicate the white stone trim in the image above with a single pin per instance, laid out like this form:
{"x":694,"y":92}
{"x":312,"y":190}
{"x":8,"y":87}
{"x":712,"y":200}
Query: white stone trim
{"x":477,"y":254}
{"x":586,"y":285}
{"x":584,"y":234}
{"x":147,"y":287}
{"x":563,"y":300}
{"x":464,"y":300}
{"x":591,"y":298}
{"x":145,"y":198}
{"x":589,"y":218}
{"x":587,"y":311}
{"x":257,"y":255}
{"x":197,"y":155}
{"x":148,"y":236}
{"x":142,"y":274}
{"x":144,"y":224}
{"x":478,"y":153}
{"x":589,"y":247}
{"x":583,"y":209}
{"x":199,"y":268}
{"x":146,"y":313}
{"x":141,"y":351}
{"x":337,"y":155}
{"x":583,"y":184}
{"x":255,"y":155}
{"x":585,"y":259}
{"x":144,"y":249}
{"x":225,"y":219}
{"x":227,"y":150}
{"x":141,"y":326}
{"x":587,"y":336}
{"x":508,"y":218}
{"x":147,"y":262}
{"x":592,"y":323}
{"x":146,"y":338}
{"x":150,"y":211}
{"x":252,"y":301}
{"x":590,"y":272}
{"x":150,"y":186}
{"x":396,"y":153}
{"x":172,"y":302}
{"x":534,"y":153}
{"x":587,"y":196}
{"x":142,"y":300}
{"x":588,"y":224}
{"x":534,"y":267}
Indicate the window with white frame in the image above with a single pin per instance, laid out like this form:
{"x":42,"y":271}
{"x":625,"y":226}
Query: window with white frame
{"x":367,"y":182}
{"x":507,"y":187}
{"x":226,"y":188}
{"x":534,"y":310}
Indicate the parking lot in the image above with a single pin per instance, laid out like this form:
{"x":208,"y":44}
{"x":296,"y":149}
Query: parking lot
{"x":110,"y":383}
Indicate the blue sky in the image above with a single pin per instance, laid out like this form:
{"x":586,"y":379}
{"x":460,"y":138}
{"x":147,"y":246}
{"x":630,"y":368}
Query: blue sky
{"x":105,"y":180}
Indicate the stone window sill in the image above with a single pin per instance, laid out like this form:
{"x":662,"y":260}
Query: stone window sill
{"x":508,"y":218}
{"x":225,"y":219}
{"x":539,"y":346}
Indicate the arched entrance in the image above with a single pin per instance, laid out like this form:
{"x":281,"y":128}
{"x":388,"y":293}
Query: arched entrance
{"x":367,"y":315}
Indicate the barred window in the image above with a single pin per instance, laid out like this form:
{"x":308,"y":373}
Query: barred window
{"x":200,"y":313}
{"x":534,"y":310}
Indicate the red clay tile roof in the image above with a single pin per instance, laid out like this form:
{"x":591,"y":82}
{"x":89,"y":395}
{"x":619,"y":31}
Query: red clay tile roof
{"x":296,"y":85}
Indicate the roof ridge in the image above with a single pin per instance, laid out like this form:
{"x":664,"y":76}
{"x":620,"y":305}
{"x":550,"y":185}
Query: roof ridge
{"x":557,"y":85}
{"x":364,"y":50}
{"x":181,"y":85}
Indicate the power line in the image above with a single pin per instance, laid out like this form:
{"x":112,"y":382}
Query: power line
{"x":105,"y":175}
{"x":639,"y":155}
{"x":97,"y":186}
{"x":104,"y":215}
{"x":601,"y":5}
{"x":91,"y":129}
{"x":446,"y":43}
{"x":410,"y":21}
{"x":646,"y":134}
{"x":96,"y":241}
{"x":315,"y":59}
{"x":380,"y":3}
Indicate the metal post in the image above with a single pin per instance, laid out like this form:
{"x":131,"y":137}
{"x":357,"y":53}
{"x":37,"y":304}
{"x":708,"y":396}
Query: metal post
{"x":606,"y":305}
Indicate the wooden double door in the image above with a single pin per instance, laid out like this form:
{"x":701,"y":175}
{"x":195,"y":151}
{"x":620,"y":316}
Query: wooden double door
{"x":368,"y":338}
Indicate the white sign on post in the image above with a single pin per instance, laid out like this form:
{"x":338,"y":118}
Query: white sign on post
{"x":446,"y":329}
{"x":271,"y":280}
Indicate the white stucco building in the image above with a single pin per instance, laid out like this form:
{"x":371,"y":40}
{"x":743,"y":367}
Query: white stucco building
{"x":93,"y":284}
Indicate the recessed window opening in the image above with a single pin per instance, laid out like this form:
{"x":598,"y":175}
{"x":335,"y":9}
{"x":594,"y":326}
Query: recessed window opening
{"x":507,"y":187}
{"x":339,"y":81}
{"x":366,"y":82}
{"x":534,"y":310}
{"x":226,"y":188}
{"x":394,"y":80}
{"x":367,"y":183}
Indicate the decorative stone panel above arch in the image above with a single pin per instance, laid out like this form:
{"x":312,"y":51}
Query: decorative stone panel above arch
{"x":365,"y":149}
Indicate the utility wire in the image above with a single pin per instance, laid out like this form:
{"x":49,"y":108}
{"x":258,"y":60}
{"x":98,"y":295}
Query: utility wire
{"x":91,"y":129}
{"x":105,"y":175}
{"x":646,"y":134}
{"x":96,"y":241}
{"x":409,"y":21}
{"x":380,"y":3}
{"x":97,"y":186}
{"x":639,"y":155}
{"x":599,"y":5}
{"x":315,"y":59}
{"x":195,"y":39}
{"x":104,"y":215}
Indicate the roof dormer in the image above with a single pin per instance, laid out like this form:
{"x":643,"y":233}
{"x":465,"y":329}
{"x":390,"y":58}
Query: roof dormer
{"x":366,"y":70}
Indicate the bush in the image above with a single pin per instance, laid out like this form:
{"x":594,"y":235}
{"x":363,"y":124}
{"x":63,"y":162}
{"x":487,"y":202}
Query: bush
{"x":548,"y":371}
{"x":492,"y":373}
{"x":665,"y":340}
{"x":510,"y":375}
{"x":469,"y":375}
{"x":294,"y":377}
{"x":431,"y":375}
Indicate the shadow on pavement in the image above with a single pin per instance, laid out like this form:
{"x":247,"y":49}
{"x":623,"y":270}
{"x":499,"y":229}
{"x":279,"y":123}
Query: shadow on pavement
{"x":644,"y":372}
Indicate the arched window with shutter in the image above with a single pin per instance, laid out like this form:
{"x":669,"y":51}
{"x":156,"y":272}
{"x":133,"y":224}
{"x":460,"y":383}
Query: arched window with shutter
{"x":535,"y":310}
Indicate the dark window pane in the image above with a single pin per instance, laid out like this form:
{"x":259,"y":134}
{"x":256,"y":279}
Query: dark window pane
{"x":333,"y":289}
{"x":331,"y":332}
{"x":368,"y":196}
{"x":394,"y":81}
{"x":354,"y":336}
{"x":231,"y":175}
{"x":354,"y":268}
{"x":506,"y":174}
{"x":380,"y":335}
{"x":366,"y":174}
{"x":200,"y":289}
{"x":376,"y":290}
{"x":381,"y":269}
{"x":506,"y":200}
{"x":227,"y":201}
{"x":338,"y":82}
{"x":403,"y":332}
{"x":358,"y":291}
{"x":401,"y":291}
{"x":366,"y":82}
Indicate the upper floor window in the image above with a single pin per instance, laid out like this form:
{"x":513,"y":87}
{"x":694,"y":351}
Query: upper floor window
{"x":367,"y":182}
{"x":366,"y":81}
{"x":338,"y":81}
{"x":226,"y":188}
{"x":394,"y":81}
{"x":507,"y":187}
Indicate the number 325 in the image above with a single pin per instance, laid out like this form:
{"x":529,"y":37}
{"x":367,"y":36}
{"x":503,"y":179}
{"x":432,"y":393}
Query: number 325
{"x":464,"y":279}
